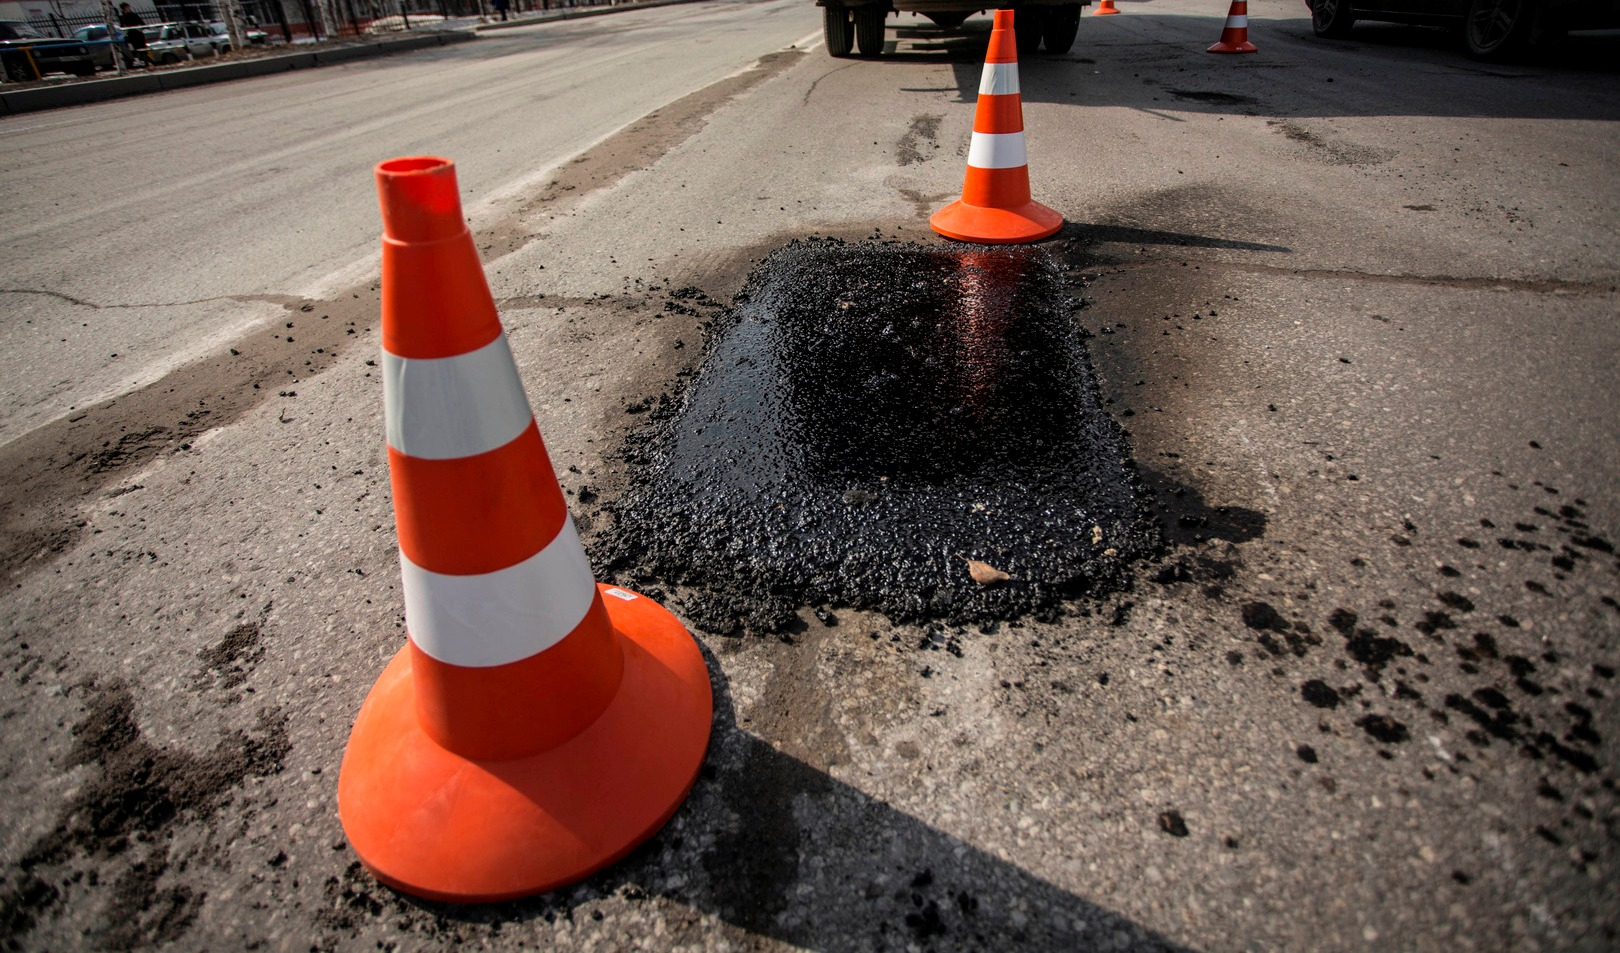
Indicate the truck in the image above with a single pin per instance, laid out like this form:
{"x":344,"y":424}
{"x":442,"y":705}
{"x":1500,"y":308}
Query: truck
{"x":858,"y":25}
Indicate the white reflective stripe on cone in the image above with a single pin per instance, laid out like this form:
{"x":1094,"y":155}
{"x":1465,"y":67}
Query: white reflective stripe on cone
{"x":999,"y":79}
{"x":1004,"y":150}
{"x":500,"y":617}
{"x":451,"y":407}
{"x":1238,"y":20}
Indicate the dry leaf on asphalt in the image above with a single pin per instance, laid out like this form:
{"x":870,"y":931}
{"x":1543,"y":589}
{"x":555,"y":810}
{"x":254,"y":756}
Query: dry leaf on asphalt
{"x":985,"y":574}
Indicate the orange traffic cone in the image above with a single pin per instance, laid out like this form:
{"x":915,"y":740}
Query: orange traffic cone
{"x":995,"y":206}
{"x":1105,"y":8}
{"x":1235,"y":35}
{"x":536,"y":727}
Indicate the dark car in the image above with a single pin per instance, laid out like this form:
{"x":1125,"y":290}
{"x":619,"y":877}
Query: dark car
{"x":101,"y":41}
{"x":21,"y":44}
{"x":1491,"y":29}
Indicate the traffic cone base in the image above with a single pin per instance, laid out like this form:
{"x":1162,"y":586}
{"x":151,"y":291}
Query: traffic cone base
{"x":1235,"y":33}
{"x":435,"y":824}
{"x":1105,"y":8}
{"x":1029,"y":222}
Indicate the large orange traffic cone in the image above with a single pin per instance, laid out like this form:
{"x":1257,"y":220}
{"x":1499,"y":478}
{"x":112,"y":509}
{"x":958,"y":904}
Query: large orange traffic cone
{"x":536,"y":726}
{"x":1235,"y":35}
{"x":995,"y":206}
{"x":1105,"y":8}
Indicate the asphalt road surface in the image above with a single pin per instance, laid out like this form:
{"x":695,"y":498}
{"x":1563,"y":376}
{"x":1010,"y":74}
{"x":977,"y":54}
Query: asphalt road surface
{"x":1352,"y":302}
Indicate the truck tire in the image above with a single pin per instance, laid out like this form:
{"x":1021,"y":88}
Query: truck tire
{"x":837,"y":30}
{"x":1028,"y":25}
{"x":869,"y":29}
{"x":1062,"y":24}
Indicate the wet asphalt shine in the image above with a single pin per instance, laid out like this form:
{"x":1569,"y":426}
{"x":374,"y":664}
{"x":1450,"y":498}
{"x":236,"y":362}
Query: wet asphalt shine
{"x":905,"y":428}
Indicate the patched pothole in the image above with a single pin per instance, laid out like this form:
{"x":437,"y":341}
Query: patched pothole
{"x":888,"y":426}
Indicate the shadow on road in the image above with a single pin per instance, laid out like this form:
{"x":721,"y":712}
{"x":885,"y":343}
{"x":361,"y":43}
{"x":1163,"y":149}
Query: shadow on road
{"x":1383,"y":69}
{"x":778,"y":848}
{"x":1099,"y":233}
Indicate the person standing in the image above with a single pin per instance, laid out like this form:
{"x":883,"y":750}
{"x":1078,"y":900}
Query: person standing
{"x":134,"y":37}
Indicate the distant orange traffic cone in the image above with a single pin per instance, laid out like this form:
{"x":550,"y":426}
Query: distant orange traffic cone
{"x":536,"y":727}
{"x":995,"y":206}
{"x":1105,"y":8}
{"x":1235,"y":35}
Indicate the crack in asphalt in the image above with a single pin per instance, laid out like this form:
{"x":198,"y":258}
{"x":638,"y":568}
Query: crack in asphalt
{"x":1534,"y":285}
{"x":817,"y":82}
{"x":290,"y":302}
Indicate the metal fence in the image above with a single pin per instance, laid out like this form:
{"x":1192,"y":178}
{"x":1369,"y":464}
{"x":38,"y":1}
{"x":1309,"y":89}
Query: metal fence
{"x":54,"y":24}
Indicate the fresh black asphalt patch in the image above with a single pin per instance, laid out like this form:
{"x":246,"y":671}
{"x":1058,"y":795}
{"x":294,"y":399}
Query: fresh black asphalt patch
{"x":903,"y":428}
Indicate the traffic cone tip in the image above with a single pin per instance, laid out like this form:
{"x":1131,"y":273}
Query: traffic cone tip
{"x":419,"y":199}
{"x":1003,"y":45}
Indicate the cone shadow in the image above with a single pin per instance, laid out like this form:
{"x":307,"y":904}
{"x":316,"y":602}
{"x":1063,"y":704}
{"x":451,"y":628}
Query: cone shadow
{"x":1096,"y":234}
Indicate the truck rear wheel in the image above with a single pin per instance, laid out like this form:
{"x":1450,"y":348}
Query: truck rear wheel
{"x":869,"y":29}
{"x":1062,"y":24}
{"x":837,"y":30}
{"x":1028,"y":25}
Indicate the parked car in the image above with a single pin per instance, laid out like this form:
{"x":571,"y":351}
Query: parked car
{"x":222,"y":36}
{"x":1491,"y":29}
{"x":20,"y":42}
{"x":102,"y":42}
{"x":173,"y":42}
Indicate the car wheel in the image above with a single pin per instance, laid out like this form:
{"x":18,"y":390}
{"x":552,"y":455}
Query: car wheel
{"x":869,"y":29}
{"x":837,"y":30}
{"x":1332,"y":18}
{"x":1062,"y":25}
{"x":1494,"y":29}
